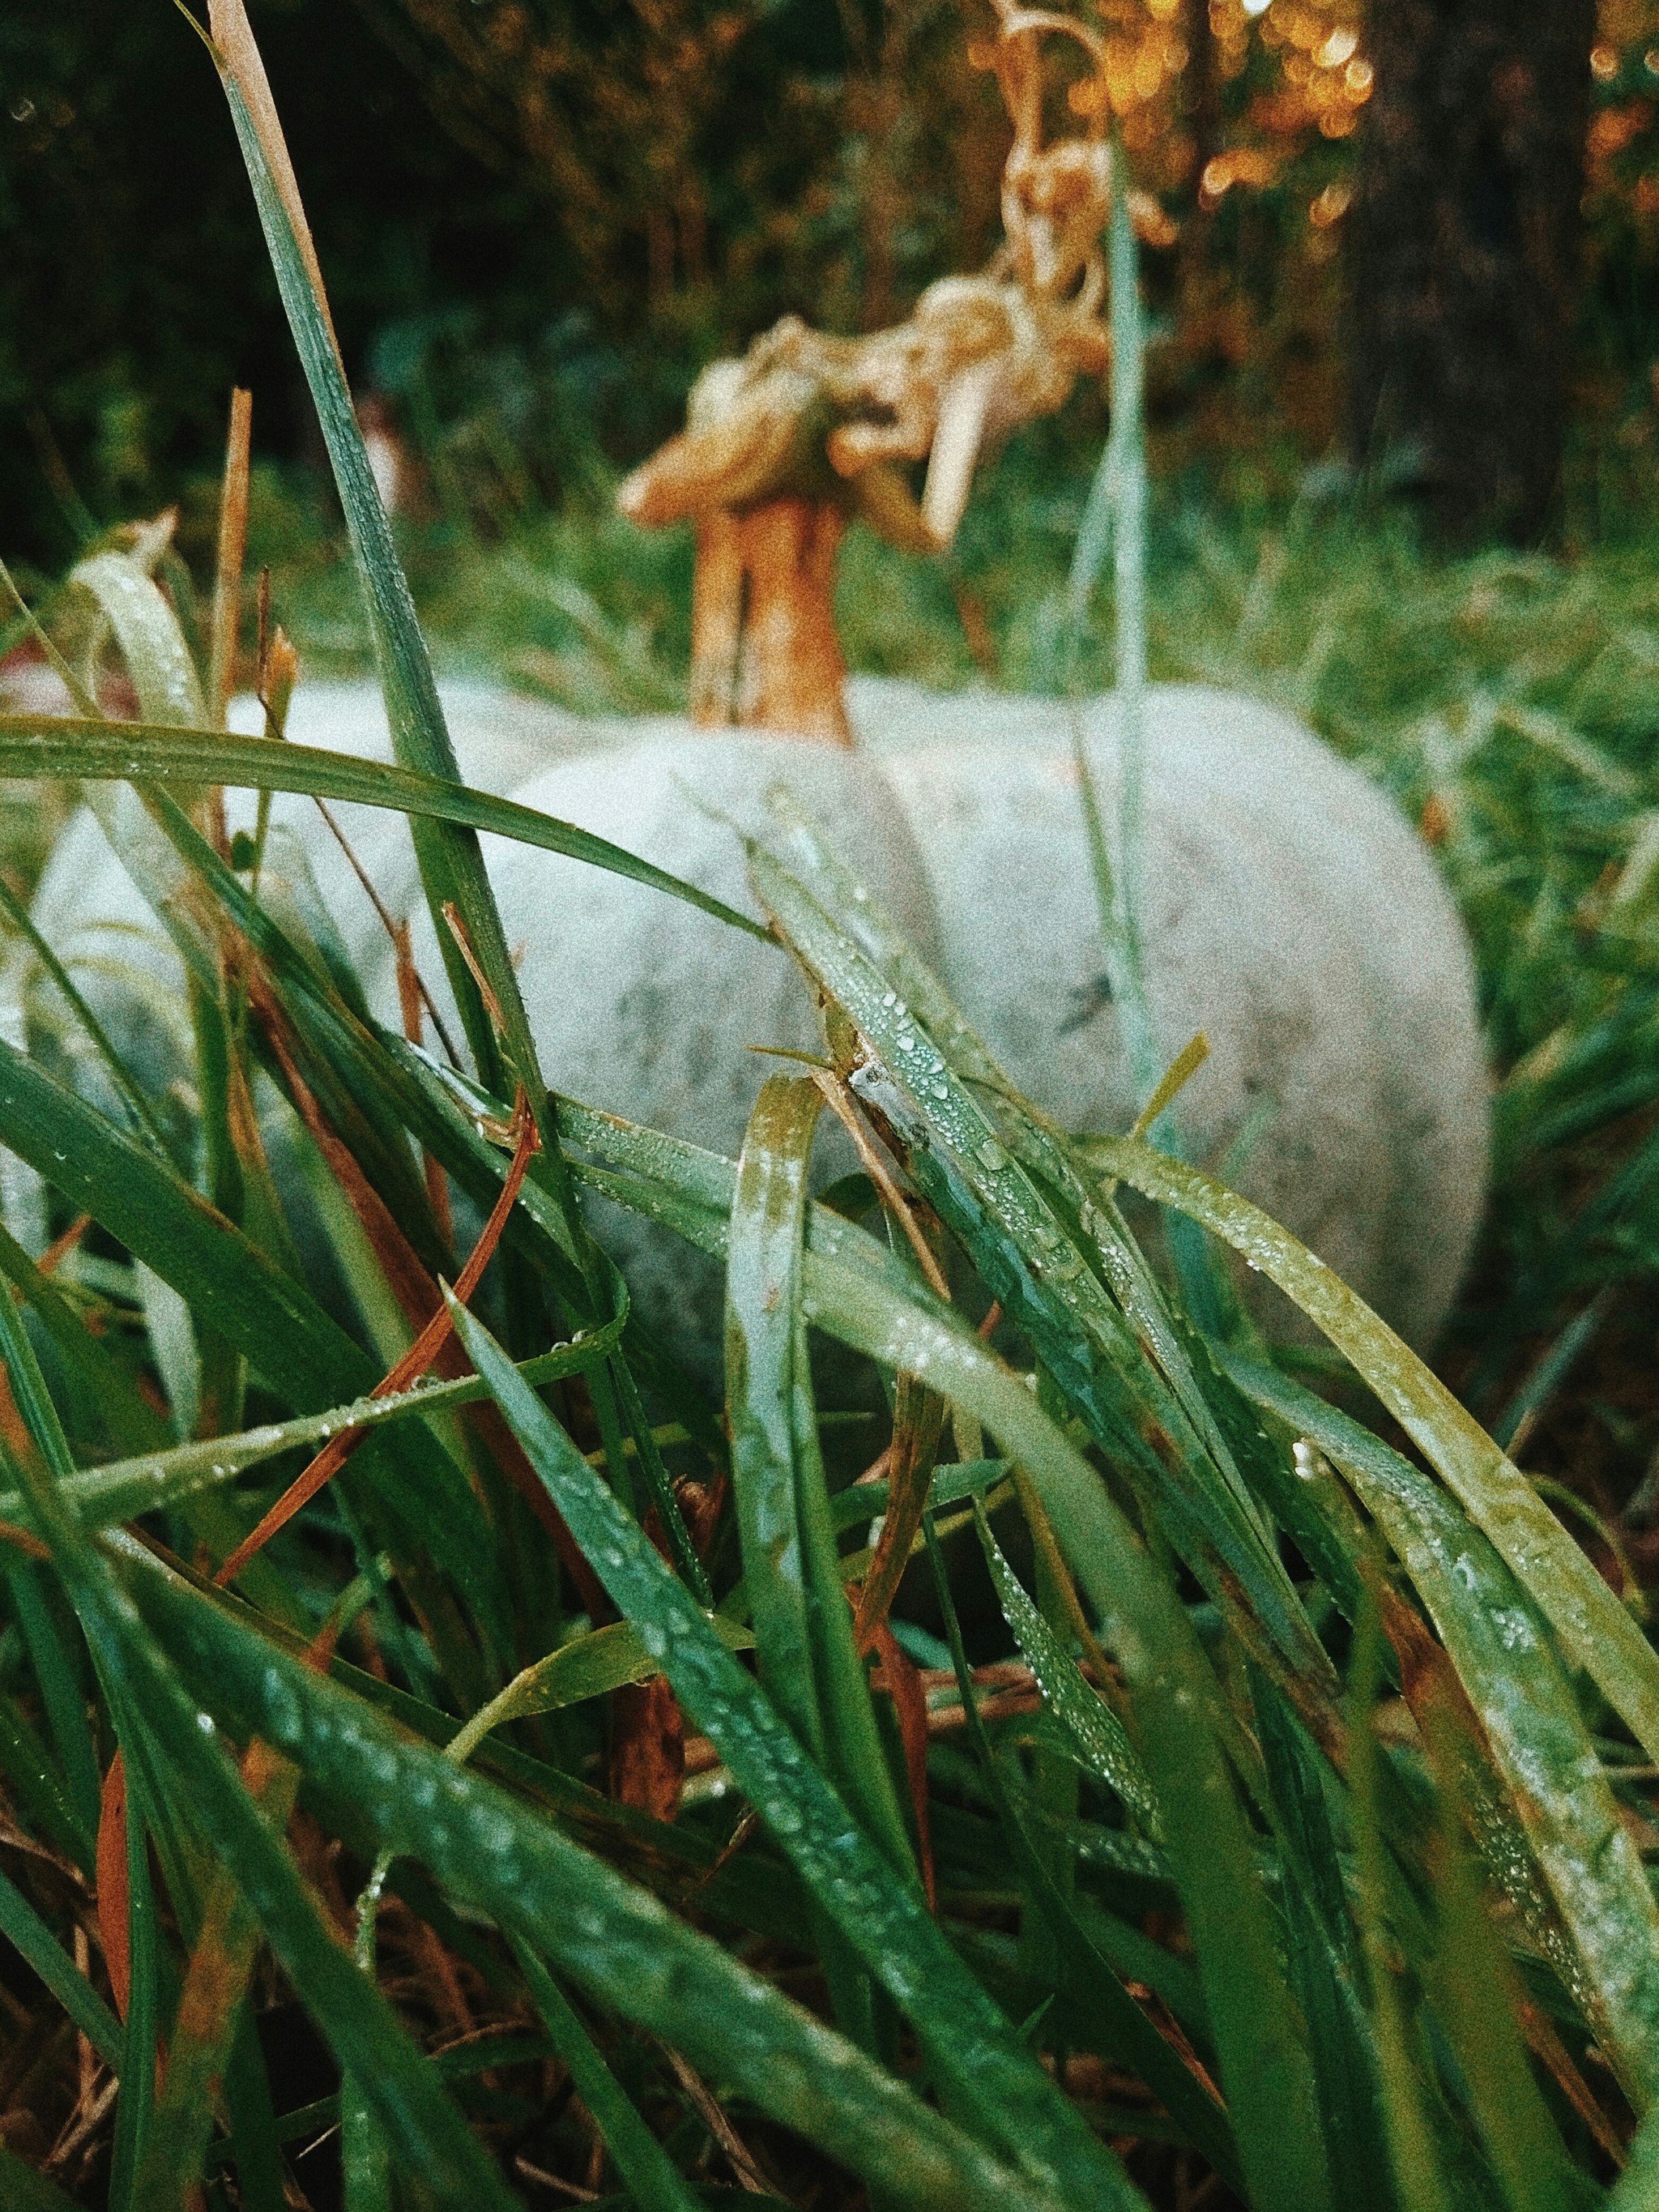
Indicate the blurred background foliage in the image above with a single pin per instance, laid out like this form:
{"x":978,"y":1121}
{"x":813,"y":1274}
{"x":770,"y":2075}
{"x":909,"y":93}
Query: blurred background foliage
{"x":539,"y":217}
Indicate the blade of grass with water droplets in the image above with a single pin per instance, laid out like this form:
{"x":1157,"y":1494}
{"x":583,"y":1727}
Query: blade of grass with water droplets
{"x":1538,"y":1741}
{"x":1003,"y":2091}
{"x":1099,"y":1740}
{"x":32,"y":746}
{"x":121,"y":1490}
{"x":1040,"y":1270}
{"x":803,"y":1627}
{"x":491,"y":1849}
{"x":1596,"y":1629}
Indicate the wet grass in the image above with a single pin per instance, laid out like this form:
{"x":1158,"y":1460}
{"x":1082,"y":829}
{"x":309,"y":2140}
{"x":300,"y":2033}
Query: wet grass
{"x":441,"y":1763}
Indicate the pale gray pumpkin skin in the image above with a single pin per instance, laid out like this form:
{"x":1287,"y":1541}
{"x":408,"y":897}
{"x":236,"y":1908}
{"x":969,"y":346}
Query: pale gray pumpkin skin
{"x":1290,"y":913}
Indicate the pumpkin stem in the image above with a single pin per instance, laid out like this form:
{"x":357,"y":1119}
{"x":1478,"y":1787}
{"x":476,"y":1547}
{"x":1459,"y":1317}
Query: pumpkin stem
{"x":780,"y":446}
{"x":764,"y":651}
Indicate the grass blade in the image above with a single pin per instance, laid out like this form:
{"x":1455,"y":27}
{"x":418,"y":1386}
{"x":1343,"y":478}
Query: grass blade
{"x":1596,"y":1630}
{"x":803,"y":1626}
{"x":23,"y":1928}
{"x":1003,"y":2091}
{"x":1100,"y":1743}
{"x":1537,"y":1743}
{"x":32,"y":746}
{"x":491,"y":1849}
{"x":644,"y":2167}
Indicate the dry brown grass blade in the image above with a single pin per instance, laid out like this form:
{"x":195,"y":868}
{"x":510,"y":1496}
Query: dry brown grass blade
{"x":918,"y":1424}
{"x":406,"y":1278}
{"x":114,"y":1895}
{"x":414,"y":1362}
{"x":903,"y":1682}
{"x":739,"y":2156}
{"x":647,"y":1747}
{"x":839,"y":1101}
{"x":231,"y":553}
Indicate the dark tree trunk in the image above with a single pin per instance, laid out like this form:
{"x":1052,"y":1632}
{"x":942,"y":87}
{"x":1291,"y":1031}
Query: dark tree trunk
{"x":1464,"y":242}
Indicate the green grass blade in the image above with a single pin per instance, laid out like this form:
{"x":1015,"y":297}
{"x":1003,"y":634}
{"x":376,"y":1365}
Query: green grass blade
{"x":491,"y":1849}
{"x":131,"y":1420}
{"x":1538,"y":1741}
{"x":33,"y":746}
{"x":123,"y":1489}
{"x":23,"y":1928}
{"x":407,"y":2097}
{"x":451,"y":861}
{"x":1184,"y":1719}
{"x":1475,"y":1992}
{"x":644,"y":2167}
{"x":1596,"y":1630}
{"x":803,"y":1626}
{"x":53,"y":1656}
{"x":40,"y":1787}
{"x":589,"y":1665}
{"x":1323,"y":1950}
{"x":1402,"y":2068}
{"x":289,"y":1340}
{"x":26,"y":2189}
{"x":1099,"y":1740}
{"x":1083,"y":1971}
{"x":1002,"y":2090}
{"x":1044,"y":1273}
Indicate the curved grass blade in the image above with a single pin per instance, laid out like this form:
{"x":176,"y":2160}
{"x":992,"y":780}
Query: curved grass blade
{"x":123,"y":1489}
{"x":1003,"y":2091}
{"x":1538,"y":1741}
{"x":1596,"y":1630}
{"x":1099,"y":1740}
{"x":147,"y":630}
{"x":589,"y":1665}
{"x":32,"y":746}
{"x":22,"y":1927}
{"x":491,"y":1849}
{"x":1083,"y":1969}
{"x":1096,"y":1341}
{"x":803,"y":1627}
{"x":643,"y":2165}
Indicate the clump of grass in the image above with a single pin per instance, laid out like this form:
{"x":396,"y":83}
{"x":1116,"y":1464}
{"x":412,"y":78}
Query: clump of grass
{"x":1276,"y":1837}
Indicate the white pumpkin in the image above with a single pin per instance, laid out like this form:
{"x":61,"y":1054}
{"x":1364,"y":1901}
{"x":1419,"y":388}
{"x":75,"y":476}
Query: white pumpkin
{"x":1291,"y":915}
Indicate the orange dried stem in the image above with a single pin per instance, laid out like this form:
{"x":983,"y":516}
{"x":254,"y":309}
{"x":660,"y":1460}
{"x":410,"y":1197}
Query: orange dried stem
{"x":414,"y":1362}
{"x":764,"y":651}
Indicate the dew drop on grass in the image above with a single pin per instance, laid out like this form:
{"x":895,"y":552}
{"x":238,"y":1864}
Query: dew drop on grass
{"x":992,"y":1157}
